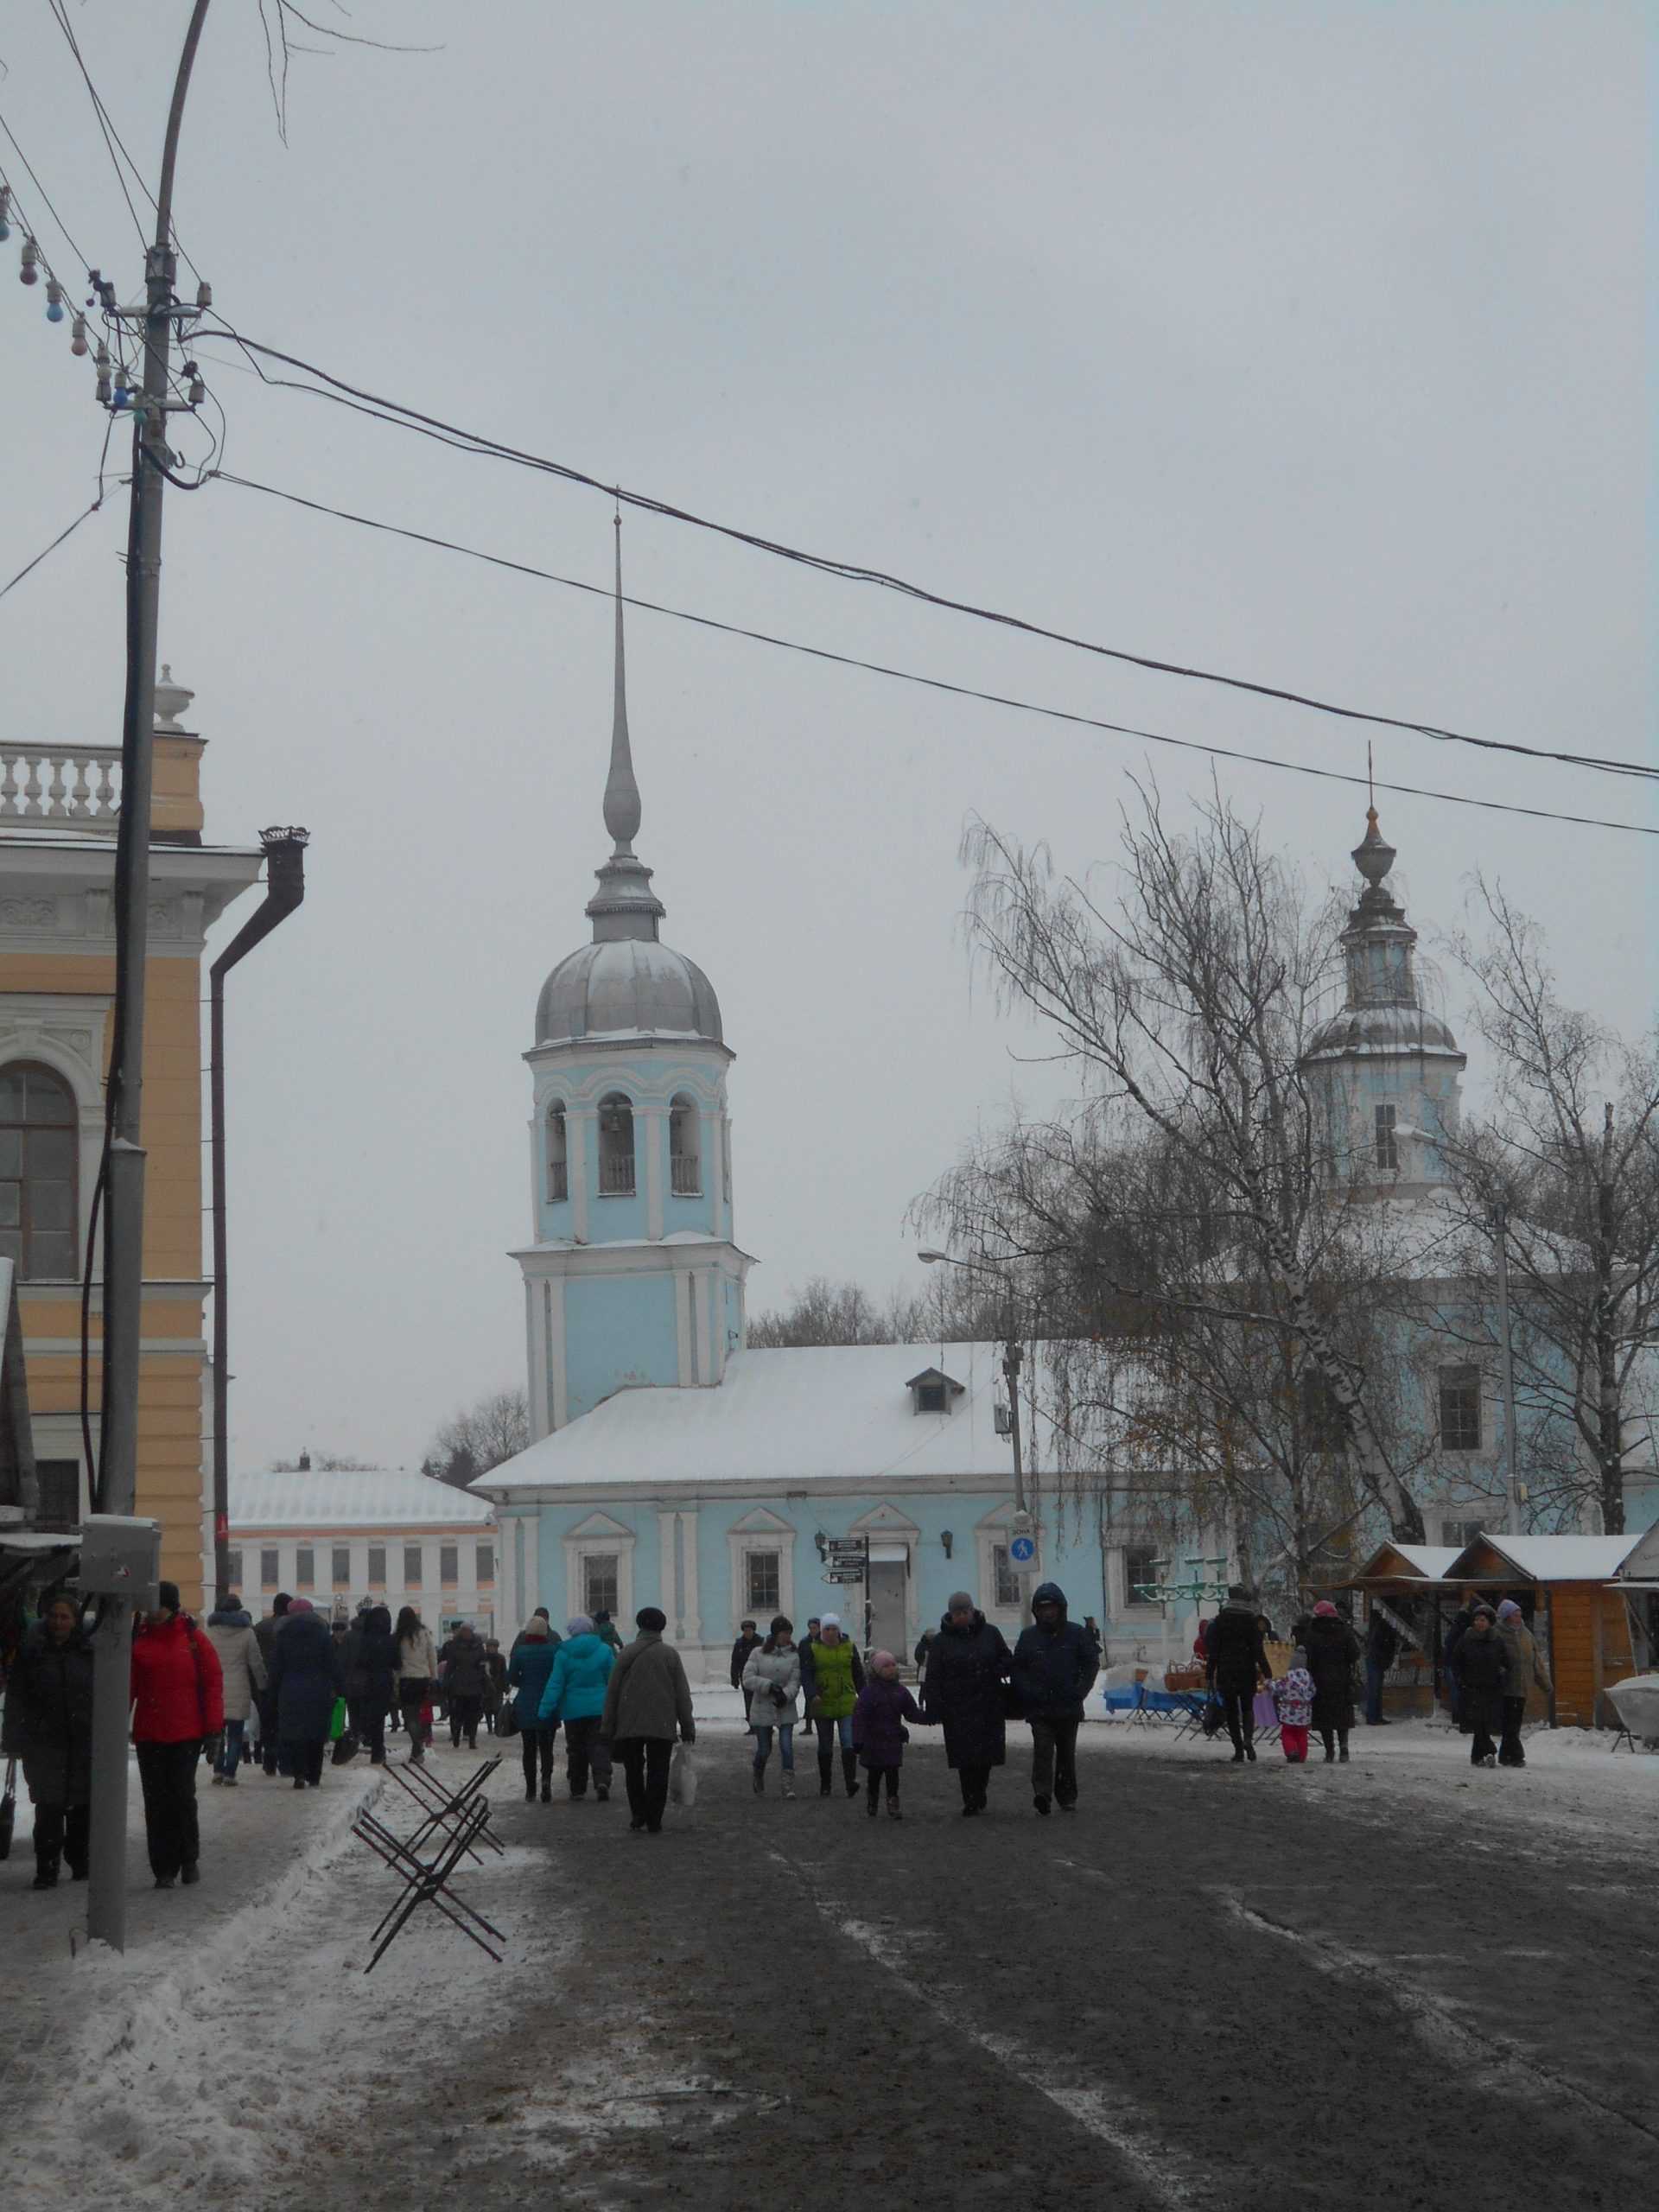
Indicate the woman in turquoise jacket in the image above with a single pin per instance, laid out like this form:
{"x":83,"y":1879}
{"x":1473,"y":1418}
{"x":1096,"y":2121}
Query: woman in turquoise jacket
{"x":575,"y":1695}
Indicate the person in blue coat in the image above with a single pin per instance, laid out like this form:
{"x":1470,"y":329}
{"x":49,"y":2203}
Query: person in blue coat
{"x":575,"y":1695}
{"x":1055,"y":1663}
{"x":534,"y":1650}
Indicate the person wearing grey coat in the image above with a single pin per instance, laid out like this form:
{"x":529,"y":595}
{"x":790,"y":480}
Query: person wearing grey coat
{"x":771,"y":1678}
{"x":242,"y":1662}
{"x":647,"y":1704}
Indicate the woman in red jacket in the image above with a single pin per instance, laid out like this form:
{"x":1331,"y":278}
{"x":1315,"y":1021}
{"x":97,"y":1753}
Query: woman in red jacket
{"x":178,"y":1711}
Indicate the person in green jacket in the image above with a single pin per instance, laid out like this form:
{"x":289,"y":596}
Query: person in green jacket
{"x":831,"y":1678}
{"x":605,"y":1627}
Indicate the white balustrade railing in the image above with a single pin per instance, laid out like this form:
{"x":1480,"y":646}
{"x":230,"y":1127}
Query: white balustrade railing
{"x":616,"y":1175}
{"x":61,"y":786}
{"x":685,"y":1174}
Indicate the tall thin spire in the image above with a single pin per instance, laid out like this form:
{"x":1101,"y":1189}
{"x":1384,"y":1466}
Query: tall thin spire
{"x":621,"y":790}
{"x":625,"y":906}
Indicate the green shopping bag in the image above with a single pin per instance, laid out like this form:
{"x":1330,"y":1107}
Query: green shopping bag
{"x":337,"y":1726}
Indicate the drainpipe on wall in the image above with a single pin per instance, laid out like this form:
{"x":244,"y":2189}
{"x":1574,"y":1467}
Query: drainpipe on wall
{"x":285,"y":889}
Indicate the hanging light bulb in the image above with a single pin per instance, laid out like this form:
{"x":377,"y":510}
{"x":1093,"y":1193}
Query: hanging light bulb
{"x":77,"y":335}
{"x":101,"y":363}
{"x":5,"y":210}
{"x":53,"y":300}
{"x":29,"y":273}
{"x":198,"y":389}
{"x":204,"y":294}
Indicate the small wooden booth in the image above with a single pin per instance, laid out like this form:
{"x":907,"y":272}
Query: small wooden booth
{"x":1405,"y":1583}
{"x":1571,"y":1595}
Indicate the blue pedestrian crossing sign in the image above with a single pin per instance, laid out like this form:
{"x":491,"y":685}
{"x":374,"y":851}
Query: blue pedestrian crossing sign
{"x":1022,"y":1550}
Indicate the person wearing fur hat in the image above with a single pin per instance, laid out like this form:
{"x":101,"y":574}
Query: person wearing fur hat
{"x":647,"y":1704}
{"x":178,"y":1713}
{"x":1525,"y":1667}
{"x":230,"y":1630}
{"x":1334,"y":1652}
{"x":1482,"y":1665}
{"x":879,"y":1731}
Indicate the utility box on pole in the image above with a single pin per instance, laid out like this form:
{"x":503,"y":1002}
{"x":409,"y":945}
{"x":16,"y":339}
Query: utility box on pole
{"x":120,"y":1557}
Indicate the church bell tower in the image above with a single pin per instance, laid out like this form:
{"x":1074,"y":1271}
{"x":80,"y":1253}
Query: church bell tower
{"x":632,"y":1277}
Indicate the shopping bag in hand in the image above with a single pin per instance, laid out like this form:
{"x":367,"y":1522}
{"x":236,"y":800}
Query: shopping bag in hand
{"x":8,"y":1808}
{"x":337,"y":1724}
{"x":682,"y":1776}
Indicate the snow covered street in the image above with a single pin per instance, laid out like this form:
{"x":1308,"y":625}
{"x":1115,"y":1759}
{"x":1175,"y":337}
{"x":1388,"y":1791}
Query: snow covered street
{"x":1391,"y":1983}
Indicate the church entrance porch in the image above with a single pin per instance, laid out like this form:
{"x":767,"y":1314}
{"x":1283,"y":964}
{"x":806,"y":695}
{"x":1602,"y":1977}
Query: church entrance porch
{"x":886,"y":1599}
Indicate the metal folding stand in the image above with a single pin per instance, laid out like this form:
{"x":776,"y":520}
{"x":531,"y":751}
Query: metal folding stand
{"x":427,"y":1881}
{"x":442,"y":1807}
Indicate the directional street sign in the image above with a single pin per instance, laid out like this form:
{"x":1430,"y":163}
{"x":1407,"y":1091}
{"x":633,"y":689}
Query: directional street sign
{"x":846,"y":1547}
{"x":844,"y":1574}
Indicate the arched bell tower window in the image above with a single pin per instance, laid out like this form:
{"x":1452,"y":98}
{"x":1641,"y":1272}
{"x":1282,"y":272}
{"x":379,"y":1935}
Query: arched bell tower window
{"x":616,"y":1178}
{"x":558,"y":1157}
{"x":685,"y":1152}
{"x":39,"y":1141}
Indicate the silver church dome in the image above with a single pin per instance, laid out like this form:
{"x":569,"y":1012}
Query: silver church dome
{"x":625,"y":986}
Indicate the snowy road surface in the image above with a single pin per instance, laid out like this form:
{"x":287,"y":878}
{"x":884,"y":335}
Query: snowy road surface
{"x":1392,"y":1985}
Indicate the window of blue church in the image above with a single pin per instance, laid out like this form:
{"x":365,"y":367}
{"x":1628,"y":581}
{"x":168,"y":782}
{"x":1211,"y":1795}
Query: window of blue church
{"x":558,"y":1167}
{"x":601,"y":1581}
{"x":684,"y":1159}
{"x":1460,"y":1408}
{"x":762,"y":1575}
{"x":616,"y":1173}
{"x":1387,"y":1147}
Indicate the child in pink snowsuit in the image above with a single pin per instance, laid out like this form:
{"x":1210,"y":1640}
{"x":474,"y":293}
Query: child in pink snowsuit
{"x":1293,"y":1697}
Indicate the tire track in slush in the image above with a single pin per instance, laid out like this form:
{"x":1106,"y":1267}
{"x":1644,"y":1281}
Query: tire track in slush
{"x":1491,"y":2060}
{"x":1109,"y":2114}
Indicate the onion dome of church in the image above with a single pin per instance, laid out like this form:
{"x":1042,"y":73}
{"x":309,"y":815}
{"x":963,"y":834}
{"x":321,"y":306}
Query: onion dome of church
{"x":626,"y":982}
{"x":1382,"y":1012}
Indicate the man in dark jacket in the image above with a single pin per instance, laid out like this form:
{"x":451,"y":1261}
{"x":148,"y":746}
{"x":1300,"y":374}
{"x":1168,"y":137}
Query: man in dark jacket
{"x":462,"y":1670}
{"x":968,"y":1665}
{"x":370,"y":1660}
{"x":1055,"y":1663}
{"x":265,"y":1634}
{"x":1482,"y":1666}
{"x":1381,"y":1649}
{"x":1235,"y":1659}
{"x":748,"y":1641}
{"x":49,"y":1725}
{"x":1456,"y":1629}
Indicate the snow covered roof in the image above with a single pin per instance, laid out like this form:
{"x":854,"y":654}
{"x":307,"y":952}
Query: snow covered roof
{"x":1552,"y":1558}
{"x":370,"y":1497}
{"x":811,"y":1413}
{"x":1429,"y":1560}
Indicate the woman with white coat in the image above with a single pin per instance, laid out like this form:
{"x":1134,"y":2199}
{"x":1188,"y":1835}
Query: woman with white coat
{"x":230,"y":1630}
{"x":417,"y":1669}
{"x":771,"y":1681}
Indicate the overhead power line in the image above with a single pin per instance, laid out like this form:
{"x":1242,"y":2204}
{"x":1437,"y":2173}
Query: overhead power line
{"x":914,"y":676}
{"x":30,"y":568}
{"x":336,"y":389}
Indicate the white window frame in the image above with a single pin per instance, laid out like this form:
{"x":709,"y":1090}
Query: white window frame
{"x":1127,"y":1597}
{"x":762,"y":1530}
{"x":599,"y":1533}
{"x":996,"y":1529}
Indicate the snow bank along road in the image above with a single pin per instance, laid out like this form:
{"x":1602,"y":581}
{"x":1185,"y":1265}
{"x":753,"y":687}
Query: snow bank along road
{"x":1389,"y":1985}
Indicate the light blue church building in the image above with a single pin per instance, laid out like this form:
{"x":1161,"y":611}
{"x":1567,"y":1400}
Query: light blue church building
{"x":670,"y":1465}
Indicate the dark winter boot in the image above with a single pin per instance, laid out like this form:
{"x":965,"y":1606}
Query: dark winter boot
{"x":1041,"y":1804}
{"x":826,"y":1769}
{"x":1342,"y":1748}
{"x":758,"y":1770}
{"x":849,"y":1772}
{"x":1249,"y":1751}
{"x":893,"y":1813}
{"x":45,"y":1867}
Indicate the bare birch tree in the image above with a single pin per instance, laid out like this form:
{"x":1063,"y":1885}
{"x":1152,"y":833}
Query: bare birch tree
{"x":1568,"y":1162}
{"x":1186,"y":1005}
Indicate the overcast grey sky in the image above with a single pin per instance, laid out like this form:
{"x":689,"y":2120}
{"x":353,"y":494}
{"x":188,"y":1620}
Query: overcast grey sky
{"x":1307,"y":342}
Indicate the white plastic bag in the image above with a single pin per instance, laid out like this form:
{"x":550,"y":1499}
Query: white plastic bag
{"x":682,"y":1776}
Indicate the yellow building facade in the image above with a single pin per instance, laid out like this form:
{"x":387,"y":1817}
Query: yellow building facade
{"x":57,"y":812}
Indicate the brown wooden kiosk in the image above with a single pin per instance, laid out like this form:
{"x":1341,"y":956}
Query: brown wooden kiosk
{"x":1570,"y":1592}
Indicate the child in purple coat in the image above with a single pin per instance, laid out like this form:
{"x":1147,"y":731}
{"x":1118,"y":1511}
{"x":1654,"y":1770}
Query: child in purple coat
{"x":879,"y":1731}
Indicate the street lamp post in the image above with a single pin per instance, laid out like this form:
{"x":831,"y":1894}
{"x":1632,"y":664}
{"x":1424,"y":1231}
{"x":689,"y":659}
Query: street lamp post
{"x":1013,"y":1359}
